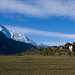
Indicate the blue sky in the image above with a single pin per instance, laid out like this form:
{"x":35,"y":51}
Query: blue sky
{"x":50,"y":22}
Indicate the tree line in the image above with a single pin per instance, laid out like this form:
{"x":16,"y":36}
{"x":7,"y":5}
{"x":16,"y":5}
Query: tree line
{"x":49,"y":52}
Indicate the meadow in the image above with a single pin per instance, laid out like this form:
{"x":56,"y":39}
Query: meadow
{"x":37,"y":65}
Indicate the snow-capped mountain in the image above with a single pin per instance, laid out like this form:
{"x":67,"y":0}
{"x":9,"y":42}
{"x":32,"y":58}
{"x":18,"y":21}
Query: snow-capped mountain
{"x":41,"y":45}
{"x":18,"y":37}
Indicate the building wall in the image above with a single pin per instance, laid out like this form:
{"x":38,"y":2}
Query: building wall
{"x":71,"y":48}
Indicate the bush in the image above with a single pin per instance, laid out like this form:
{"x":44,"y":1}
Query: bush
{"x":20,"y":54}
{"x":59,"y":53}
{"x":40,"y":53}
{"x":55,"y":51}
{"x":73,"y":53}
{"x":68,"y":52}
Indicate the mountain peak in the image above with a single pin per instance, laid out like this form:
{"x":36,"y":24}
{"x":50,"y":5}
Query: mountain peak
{"x":18,"y":37}
{"x":15,"y":36}
{"x":5,"y":31}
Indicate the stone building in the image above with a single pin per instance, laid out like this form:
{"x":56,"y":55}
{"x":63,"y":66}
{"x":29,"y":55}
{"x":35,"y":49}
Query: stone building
{"x":72,"y":47}
{"x":53,"y":47}
{"x":61,"y":47}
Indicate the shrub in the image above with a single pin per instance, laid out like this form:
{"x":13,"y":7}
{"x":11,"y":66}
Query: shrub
{"x":73,"y":53}
{"x":59,"y":53}
{"x":68,"y":52}
{"x":55,"y":50}
{"x":20,"y":54}
{"x":40,"y":53}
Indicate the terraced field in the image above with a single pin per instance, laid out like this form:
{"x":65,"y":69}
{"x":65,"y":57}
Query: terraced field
{"x":37,"y":65}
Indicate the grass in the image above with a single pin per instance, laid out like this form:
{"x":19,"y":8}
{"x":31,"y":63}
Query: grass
{"x":37,"y":65}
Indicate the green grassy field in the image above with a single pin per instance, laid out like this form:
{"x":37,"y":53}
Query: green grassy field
{"x":37,"y":65}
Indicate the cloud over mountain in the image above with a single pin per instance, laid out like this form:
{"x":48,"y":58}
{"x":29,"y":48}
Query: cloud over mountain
{"x":30,"y":31}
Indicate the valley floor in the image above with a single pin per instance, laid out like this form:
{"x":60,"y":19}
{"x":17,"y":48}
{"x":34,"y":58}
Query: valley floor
{"x":37,"y":65}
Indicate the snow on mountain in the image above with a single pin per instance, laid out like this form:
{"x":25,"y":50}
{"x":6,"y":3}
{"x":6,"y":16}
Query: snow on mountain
{"x":5,"y":31}
{"x":41,"y":45}
{"x":19,"y":37}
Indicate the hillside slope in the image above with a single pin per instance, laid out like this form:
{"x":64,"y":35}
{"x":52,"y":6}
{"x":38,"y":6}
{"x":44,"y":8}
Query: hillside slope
{"x":10,"y":46}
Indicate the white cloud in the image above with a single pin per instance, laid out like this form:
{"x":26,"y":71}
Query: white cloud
{"x":39,"y":8}
{"x":54,"y":43}
{"x":40,"y":33}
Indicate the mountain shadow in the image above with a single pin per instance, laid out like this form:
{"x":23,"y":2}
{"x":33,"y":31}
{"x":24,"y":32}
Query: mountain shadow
{"x":10,"y":46}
